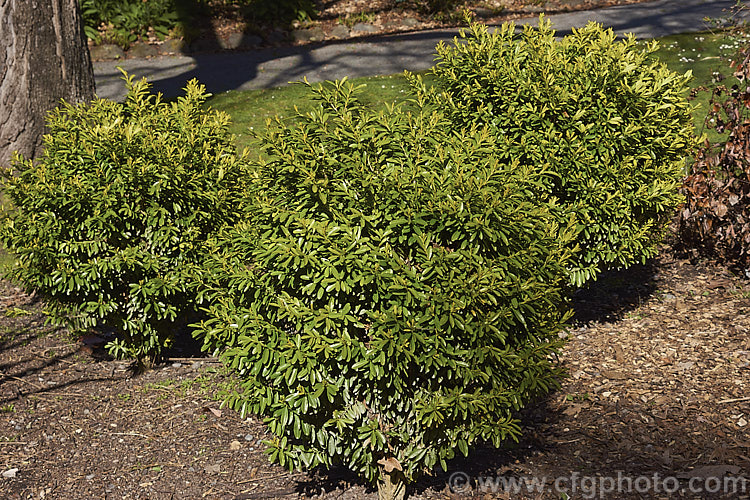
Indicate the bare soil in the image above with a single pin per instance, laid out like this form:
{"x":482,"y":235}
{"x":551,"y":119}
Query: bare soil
{"x":659,"y":372}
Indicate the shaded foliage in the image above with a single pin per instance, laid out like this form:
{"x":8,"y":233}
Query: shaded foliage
{"x":124,"y":22}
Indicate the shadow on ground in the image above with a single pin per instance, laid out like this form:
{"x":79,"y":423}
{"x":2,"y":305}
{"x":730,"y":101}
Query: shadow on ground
{"x":614,"y":294}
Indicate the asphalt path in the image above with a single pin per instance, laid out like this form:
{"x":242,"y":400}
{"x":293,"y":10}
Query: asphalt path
{"x":379,"y":55}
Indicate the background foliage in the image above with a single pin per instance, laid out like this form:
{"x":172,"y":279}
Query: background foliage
{"x":124,"y":21}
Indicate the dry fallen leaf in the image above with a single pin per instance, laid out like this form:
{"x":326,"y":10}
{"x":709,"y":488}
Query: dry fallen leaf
{"x":619,"y":354}
{"x":719,"y":283}
{"x":217,"y":413}
{"x":613,"y":375}
{"x":389,"y":464}
{"x":572,"y":410}
{"x":235,"y":445}
{"x":212,"y":469}
{"x":10,"y":473}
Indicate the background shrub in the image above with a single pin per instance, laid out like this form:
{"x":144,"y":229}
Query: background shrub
{"x":277,"y":12}
{"x":124,"y":22}
{"x":612,"y":125}
{"x":716,"y":217}
{"x":437,"y":6}
{"x":108,"y":220}
{"x":393,"y":298}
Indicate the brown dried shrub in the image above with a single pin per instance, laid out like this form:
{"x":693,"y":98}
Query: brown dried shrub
{"x":715,"y":219}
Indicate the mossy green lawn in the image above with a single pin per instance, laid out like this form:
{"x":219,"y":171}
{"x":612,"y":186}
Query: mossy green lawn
{"x":708,"y":56}
{"x":251,"y":109}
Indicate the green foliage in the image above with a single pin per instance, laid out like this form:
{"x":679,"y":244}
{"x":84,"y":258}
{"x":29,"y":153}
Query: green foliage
{"x":716,"y":217}
{"x":611,"y":124}
{"x":124,"y":22}
{"x":108,"y":220}
{"x":278,"y":12}
{"x":437,"y":6}
{"x":394,"y":297}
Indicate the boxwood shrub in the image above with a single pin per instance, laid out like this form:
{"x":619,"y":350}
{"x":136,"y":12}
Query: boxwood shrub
{"x":106,"y":222}
{"x":612,"y":124}
{"x":394,"y":297}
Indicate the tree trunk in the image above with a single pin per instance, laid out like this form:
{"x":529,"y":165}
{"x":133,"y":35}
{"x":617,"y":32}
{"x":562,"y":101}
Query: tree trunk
{"x":391,"y":485}
{"x":44,"y":58}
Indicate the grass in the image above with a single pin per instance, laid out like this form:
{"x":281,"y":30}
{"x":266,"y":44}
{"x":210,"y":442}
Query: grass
{"x":204,"y":385}
{"x":352,"y":19}
{"x":251,"y":109}
{"x":708,"y":56}
{"x":15,"y":311}
{"x":704,"y":53}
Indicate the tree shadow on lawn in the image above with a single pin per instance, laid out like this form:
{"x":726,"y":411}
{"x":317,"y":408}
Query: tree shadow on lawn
{"x":37,"y":364}
{"x":91,"y":344}
{"x":19,"y":336}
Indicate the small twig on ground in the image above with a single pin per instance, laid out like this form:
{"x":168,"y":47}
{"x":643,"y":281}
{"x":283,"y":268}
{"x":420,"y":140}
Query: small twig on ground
{"x":42,"y":356}
{"x":205,"y":360}
{"x":151,"y":466}
{"x":134,"y":434}
{"x":268,"y":494}
{"x":569,"y":441}
{"x":40,"y":387}
{"x":52,"y":388}
{"x":735,"y":400}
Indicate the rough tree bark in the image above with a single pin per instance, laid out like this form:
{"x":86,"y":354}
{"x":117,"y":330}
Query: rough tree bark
{"x":43,"y":58}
